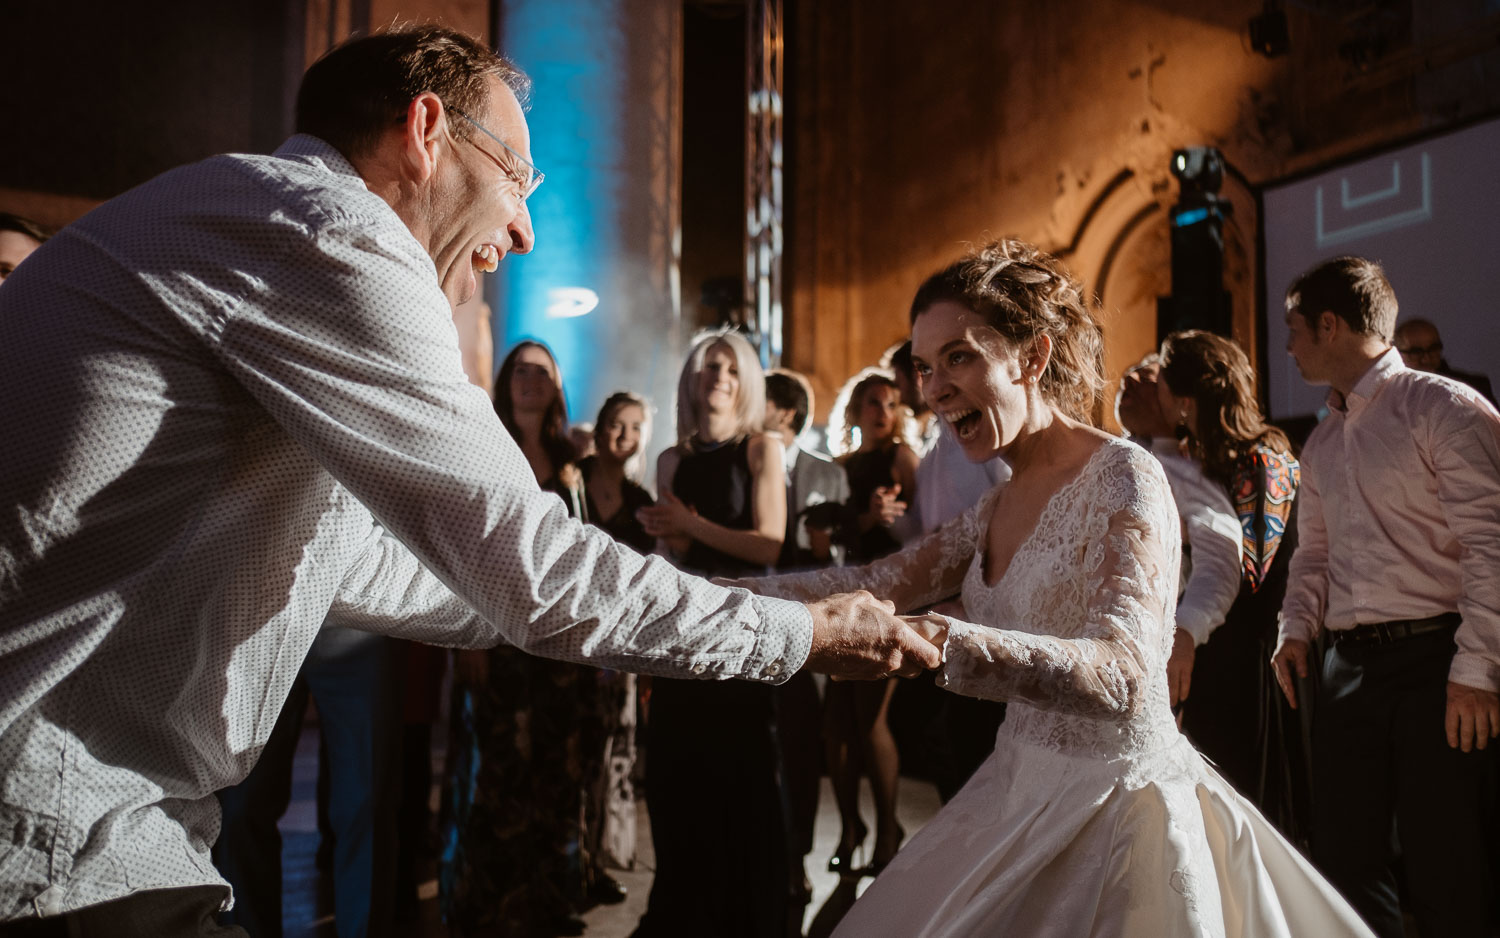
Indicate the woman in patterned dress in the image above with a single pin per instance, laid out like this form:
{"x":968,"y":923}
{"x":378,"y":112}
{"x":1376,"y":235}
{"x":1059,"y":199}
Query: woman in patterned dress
{"x":527,"y":735}
{"x":1234,"y":714}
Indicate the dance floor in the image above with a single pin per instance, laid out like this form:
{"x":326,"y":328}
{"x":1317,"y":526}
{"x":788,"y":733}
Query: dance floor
{"x":308,"y":909}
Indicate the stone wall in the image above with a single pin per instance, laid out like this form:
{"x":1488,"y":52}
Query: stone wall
{"x":918,"y":128}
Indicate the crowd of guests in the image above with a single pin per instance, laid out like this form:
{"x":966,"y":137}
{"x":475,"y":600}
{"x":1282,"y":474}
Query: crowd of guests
{"x":538,"y":800}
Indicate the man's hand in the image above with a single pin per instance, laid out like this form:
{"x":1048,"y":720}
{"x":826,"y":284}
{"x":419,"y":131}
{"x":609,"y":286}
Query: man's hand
{"x":1291,"y":654}
{"x":1180,"y":666}
{"x":1473,"y":716}
{"x":857,"y":637}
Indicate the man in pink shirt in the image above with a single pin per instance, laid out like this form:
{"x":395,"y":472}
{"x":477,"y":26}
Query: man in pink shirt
{"x":1399,"y":530}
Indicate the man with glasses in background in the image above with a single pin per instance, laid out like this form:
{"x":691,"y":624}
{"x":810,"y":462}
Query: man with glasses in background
{"x":1422,"y":348}
{"x":236,"y":410}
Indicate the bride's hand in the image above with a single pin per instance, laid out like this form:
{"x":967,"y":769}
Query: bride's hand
{"x":931,"y":626}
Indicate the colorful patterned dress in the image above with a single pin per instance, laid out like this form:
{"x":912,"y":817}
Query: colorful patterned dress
{"x":1234,"y":711}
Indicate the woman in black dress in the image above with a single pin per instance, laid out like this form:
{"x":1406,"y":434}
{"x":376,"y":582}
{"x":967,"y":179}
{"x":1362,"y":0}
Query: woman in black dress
{"x":527,"y":735}
{"x":610,"y":475}
{"x":1235,"y":714}
{"x":712,"y":763}
{"x":613,"y":496}
{"x":882,"y":469}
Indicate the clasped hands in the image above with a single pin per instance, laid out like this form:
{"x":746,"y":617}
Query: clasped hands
{"x":858,"y":637}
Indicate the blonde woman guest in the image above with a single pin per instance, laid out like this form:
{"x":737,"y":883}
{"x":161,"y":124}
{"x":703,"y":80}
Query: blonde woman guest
{"x":712,"y":771}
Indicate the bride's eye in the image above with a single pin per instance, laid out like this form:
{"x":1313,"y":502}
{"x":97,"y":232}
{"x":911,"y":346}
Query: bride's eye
{"x":957,"y":358}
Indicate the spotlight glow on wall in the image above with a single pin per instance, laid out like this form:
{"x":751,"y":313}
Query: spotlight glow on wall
{"x":567,"y":302}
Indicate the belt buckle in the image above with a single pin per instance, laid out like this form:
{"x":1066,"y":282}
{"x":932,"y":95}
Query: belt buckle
{"x":1383,"y":633}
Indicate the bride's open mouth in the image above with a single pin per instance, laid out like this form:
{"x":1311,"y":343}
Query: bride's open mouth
{"x":965,"y":423}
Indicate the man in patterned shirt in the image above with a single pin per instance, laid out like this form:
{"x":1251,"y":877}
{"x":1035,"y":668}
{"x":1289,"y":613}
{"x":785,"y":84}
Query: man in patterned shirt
{"x":236,"y":409}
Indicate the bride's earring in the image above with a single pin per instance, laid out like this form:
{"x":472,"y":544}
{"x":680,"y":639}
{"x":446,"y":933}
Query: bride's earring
{"x":1181,"y":431}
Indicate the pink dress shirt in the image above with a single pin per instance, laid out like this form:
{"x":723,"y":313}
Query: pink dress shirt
{"x":1400,"y":515}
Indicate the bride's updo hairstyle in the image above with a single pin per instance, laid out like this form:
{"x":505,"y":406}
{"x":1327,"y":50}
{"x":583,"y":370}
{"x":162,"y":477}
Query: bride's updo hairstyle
{"x":1024,"y":293}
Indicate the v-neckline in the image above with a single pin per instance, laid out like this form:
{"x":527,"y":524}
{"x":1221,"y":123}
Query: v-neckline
{"x":1041,"y":519}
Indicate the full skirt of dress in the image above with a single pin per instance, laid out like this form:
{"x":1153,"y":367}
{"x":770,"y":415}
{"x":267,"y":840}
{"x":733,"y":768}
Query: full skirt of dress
{"x":1046,"y":843}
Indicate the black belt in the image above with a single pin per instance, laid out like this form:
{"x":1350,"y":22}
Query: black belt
{"x":1383,"y":633}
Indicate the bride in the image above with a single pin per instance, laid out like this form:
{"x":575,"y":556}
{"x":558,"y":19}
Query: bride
{"x":1094,"y":815}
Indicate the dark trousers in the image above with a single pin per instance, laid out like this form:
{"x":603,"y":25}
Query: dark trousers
{"x":158,"y":913}
{"x":714,"y":794}
{"x":1385,"y":779}
{"x":353,"y":678}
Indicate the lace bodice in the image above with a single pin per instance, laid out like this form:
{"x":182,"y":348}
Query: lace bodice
{"x":1078,"y":628}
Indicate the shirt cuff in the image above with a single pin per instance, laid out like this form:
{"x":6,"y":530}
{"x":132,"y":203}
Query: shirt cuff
{"x":1475,"y":670}
{"x":782,"y":643}
{"x":1196,"y":623}
{"x":1300,"y":629}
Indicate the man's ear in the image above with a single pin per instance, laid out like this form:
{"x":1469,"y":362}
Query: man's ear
{"x":424,"y":136}
{"x":1329,"y":324}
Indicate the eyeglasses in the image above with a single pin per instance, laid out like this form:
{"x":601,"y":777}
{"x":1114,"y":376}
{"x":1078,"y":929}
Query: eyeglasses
{"x":528,"y":178}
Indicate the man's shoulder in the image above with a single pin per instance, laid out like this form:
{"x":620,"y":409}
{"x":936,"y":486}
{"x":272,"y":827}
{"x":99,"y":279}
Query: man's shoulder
{"x":1436,"y":396}
{"x":816,"y":466}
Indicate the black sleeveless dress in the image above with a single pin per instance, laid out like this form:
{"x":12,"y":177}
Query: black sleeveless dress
{"x":867,"y":472}
{"x":713,"y":779}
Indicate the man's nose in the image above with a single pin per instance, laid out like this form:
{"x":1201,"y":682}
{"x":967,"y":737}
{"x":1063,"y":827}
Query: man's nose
{"x":522,"y":238}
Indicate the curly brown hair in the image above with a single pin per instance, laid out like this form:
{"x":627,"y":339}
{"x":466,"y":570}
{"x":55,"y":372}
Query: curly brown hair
{"x":1025,"y":293}
{"x":1216,"y":374}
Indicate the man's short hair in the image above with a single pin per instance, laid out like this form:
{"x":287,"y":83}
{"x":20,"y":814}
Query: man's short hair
{"x":36,"y":231}
{"x":359,"y":89}
{"x":1353,"y":289}
{"x":789,"y":391}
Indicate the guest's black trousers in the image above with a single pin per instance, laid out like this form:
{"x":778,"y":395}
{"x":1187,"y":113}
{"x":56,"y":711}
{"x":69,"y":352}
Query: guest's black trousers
{"x":1386,"y":783}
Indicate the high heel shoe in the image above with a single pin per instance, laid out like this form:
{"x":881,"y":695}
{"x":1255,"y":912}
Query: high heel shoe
{"x":842,"y":861}
{"x":876,"y":867}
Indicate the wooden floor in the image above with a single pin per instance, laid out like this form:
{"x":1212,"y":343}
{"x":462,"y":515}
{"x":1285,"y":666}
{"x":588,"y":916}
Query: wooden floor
{"x":308,"y":904}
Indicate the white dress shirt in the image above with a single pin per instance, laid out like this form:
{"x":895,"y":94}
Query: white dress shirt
{"x":1400,"y":514}
{"x":234,"y":407}
{"x":1213,"y":543}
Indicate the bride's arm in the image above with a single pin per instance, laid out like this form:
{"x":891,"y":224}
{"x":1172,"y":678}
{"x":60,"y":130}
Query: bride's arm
{"x":1105,"y":673}
{"x":928,"y":569}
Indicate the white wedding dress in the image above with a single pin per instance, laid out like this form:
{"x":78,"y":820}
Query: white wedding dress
{"x":1094,"y":816}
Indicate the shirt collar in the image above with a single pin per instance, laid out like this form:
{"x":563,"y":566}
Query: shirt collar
{"x":316,"y":151}
{"x":1388,"y":364}
{"x":789,"y":458}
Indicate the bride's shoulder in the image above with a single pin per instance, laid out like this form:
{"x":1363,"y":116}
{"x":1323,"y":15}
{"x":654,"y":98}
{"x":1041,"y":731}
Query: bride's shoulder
{"x":1130,"y":470}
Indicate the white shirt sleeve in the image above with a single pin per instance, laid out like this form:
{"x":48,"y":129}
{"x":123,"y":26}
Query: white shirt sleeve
{"x":351,"y":348}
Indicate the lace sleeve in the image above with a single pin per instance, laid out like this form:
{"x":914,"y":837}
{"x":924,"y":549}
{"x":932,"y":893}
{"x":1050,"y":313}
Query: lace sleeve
{"x":1131,"y":582}
{"x":927,"y":570}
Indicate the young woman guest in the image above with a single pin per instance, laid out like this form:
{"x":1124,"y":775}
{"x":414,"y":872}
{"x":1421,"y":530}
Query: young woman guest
{"x":527,"y":735}
{"x":1234,"y":713}
{"x":712,"y":773}
{"x":882,"y":472}
{"x":613,"y":496}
